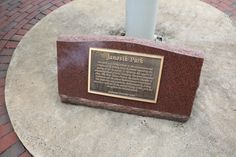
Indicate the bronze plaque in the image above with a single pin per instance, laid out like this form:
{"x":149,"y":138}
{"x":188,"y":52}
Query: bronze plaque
{"x":124,"y":74}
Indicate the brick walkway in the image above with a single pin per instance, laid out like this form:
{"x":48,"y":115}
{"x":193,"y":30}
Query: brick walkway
{"x":16,"y":18}
{"x":227,"y":6}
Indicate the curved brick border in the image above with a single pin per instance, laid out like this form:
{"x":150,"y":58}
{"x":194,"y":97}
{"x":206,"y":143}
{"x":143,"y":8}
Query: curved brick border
{"x":227,"y":6}
{"x":16,"y":18}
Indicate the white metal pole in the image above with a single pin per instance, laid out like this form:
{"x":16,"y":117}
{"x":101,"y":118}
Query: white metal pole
{"x":141,"y":18}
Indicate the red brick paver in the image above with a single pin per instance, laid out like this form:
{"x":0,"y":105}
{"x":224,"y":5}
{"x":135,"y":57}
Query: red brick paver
{"x":16,"y":18}
{"x":25,"y":154}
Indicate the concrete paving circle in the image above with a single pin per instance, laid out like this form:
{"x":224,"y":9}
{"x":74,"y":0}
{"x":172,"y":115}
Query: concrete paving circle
{"x":49,"y":128}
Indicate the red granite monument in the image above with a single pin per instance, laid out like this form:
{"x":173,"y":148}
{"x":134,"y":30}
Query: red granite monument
{"x":128,"y":75}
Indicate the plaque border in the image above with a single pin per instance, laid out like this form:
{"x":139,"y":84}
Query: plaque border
{"x":127,"y":53}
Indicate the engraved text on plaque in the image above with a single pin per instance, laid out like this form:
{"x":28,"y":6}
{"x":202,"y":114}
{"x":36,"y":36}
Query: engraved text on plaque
{"x":124,"y":74}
